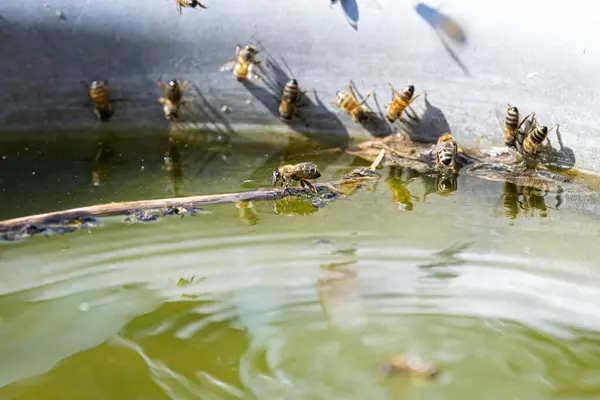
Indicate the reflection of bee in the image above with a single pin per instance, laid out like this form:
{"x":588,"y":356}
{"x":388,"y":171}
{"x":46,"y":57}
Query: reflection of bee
{"x":445,"y":184}
{"x":411,"y":366}
{"x":400,"y":100}
{"x":535,"y":136}
{"x":294,"y":206}
{"x":298,"y":172}
{"x":244,"y":63}
{"x":400,"y":193}
{"x":99,"y":173}
{"x":349,"y":103}
{"x":172,"y":98}
{"x":446,"y":150}
{"x":172,"y":167}
{"x":98,"y":91}
{"x":188,"y":4}
{"x":246,"y":212}
{"x":289,"y":100}
{"x":512,"y":133}
{"x":516,"y":198}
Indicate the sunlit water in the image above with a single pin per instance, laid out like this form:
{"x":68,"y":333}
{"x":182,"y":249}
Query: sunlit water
{"x":263,"y":304}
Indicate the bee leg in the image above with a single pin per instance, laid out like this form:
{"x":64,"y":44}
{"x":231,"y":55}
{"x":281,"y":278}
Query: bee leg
{"x":200,"y":4}
{"x":306,"y":184}
{"x":183,"y":85}
{"x":394,"y":91}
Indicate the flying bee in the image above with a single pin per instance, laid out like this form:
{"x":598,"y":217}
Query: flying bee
{"x":445,"y":152}
{"x":400,"y":101}
{"x":188,"y":4}
{"x":244,"y":64}
{"x":298,"y":172}
{"x":534,"y":137}
{"x":349,"y":103}
{"x":172,"y":98}
{"x":98,"y":92}
{"x":513,"y":135}
{"x":289,"y":100}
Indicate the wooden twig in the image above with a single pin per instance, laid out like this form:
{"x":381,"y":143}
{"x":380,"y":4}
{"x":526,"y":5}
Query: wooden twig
{"x":109,"y":209}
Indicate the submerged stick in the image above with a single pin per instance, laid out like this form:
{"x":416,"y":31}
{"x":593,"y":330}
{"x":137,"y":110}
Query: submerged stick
{"x":118,"y":208}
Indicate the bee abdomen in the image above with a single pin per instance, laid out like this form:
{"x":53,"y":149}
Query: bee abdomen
{"x":240,"y":70}
{"x":290,"y":92}
{"x":287,"y":110}
{"x":538,"y":136}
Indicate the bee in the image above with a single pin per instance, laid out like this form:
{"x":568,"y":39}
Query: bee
{"x":188,"y":4}
{"x":289,"y":100}
{"x":244,"y":64}
{"x":298,"y":172}
{"x":172,"y":98}
{"x":513,"y":135}
{"x":349,"y":103}
{"x":534,"y":137}
{"x":400,"y":100}
{"x":445,"y":152}
{"x":98,"y":92}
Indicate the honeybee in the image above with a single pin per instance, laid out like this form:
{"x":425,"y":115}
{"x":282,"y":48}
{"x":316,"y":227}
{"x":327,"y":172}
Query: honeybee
{"x":172,"y":98}
{"x":244,"y":64}
{"x":98,"y":92}
{"x":298,"y":172}
{"x":534,"y":137}
{"x":188,"y":4}
{"x":411,"y":366}
{"x":400,"y":100}
{"x":289,"y":100}
{"x":349,"y":103}
{"x":445,"y":152}
{"x":513,"y":136}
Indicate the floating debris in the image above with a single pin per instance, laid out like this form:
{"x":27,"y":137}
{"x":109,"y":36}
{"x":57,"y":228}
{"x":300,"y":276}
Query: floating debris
{"x":409,"y":365}
{"x":140,"y":216}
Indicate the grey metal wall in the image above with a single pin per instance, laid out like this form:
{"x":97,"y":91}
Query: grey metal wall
{"x":541,"y":56}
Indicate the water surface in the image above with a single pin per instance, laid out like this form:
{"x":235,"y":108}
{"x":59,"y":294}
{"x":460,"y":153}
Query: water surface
{"x":285,"y":300}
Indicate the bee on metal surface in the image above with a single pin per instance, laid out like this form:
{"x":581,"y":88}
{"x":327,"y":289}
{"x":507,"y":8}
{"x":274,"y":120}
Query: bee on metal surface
{"x":534,"y":137}
{"x":445,"y":152}
{"x":188,"y":4}
{"x":298,"y":172}
{"x":172,"y":98}
{"x":244,"y":64}
{"x":98,"y":92}
{"x":289,"y":100}
{"x":400,"y":101}
{"x":513,"y":135}
{"x":349,"y":103}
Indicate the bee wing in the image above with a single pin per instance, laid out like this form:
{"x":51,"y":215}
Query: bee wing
{"x":500,"y":116}
{"x":228,"y":66}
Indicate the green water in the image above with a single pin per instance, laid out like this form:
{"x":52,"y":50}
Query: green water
{"x":265,"y":304}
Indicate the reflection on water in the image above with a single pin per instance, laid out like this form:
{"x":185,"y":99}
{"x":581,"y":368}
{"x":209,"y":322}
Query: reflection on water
{"x":242,"y":303}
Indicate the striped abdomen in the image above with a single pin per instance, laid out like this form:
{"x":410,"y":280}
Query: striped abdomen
{"x":348,"y":103}
{"x":400,"y":101}
{"x":289,"y":98}
{"x":511,"y":124}
{"x":534,"y":139}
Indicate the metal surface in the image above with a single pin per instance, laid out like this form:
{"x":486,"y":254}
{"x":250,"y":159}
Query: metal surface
{"x":540,"y":56}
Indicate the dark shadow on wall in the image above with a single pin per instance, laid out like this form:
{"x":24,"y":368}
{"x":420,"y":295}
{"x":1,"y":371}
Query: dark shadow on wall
{"x":313,"y":117}
{"x":43,"y":66}
{"x":431,"y":124}
{"x":561,"y":158}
